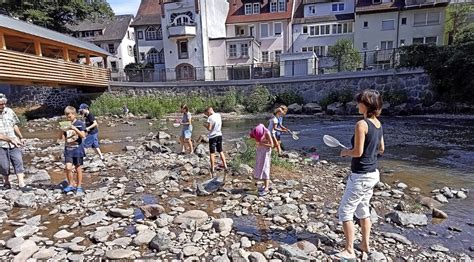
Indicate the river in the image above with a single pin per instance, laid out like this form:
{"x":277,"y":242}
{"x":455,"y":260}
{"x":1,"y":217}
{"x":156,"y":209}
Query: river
{"x":424,"y":152}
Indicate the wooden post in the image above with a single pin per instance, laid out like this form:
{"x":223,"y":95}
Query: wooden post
{"x":88,"y":59}
{"x":3,"y":45}
{"x":105,"y":62}
{"x":66,"y":54}
{"x":38,"y":51}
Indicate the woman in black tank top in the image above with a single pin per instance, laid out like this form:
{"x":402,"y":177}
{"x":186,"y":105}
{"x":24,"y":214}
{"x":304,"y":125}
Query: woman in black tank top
{"x":367,"y":143}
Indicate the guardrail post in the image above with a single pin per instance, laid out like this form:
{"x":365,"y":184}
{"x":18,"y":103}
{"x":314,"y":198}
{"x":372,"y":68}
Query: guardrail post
{"x":233,"y":76}
{"x":143,"y":75}
{"x":271,"y":69}
{"x":213,"y":73}
{"x":365,"y":60}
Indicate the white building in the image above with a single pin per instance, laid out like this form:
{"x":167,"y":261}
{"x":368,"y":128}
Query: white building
{"x":114,"y":35}
{"x":319,"y":24}
{"x":188,"y":26}
{"x":385,"y":24}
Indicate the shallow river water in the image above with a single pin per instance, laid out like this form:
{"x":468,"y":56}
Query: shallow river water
{"x":422,"y":152}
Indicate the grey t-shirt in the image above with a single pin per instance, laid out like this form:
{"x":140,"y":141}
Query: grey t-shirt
{"x":186,"y":118}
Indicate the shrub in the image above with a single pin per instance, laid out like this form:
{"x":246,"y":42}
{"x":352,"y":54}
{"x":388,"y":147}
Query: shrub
{"x":342,"y":96}
{"x":259,"y":100}
{"x":288,"y":98}
{"x":229,"y":102}
{"x":395,"y":97}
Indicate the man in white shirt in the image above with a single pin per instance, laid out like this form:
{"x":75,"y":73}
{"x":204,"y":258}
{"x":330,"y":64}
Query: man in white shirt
{"x":214,"y":125}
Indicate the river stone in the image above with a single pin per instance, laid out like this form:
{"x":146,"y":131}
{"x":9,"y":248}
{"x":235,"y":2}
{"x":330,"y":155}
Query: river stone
{"x":402,"y":185}
{"x":119,"y":212}
{"x":244,"y":170}
{"x":39,"y":176}
{"x":377,"y":256}
{"x":156,"y":177}
{"x":63,"y":234}
{"x":312,"y":108}
{"x":257,"y":257}
{"x":295,"y":109}
{"x":428,"y":202}
{"x":102,"y":234}
{"x":26,"y":231}
{"x":397,"y":237}
{"x":404,"y":219}
{"x":441,"y":198}
{"x":45,"y":254}
{"x":26,"y":200}
{"x":190,"y":250}
{"x":75,"y":257}
{"x":94,"y":219}
{"x":223,"y":225}
{"x":130,"y":148}
{"x":336,"y":108}
{"x":144,"y":237}
{"x":245,"y":242}
{"x":160,"y":242}
{"x":152,"y":211}
{"x":122,"y":241}
{"x":153,"y":147}
{"x":439,"y":248}
{"x":307,"y":247}
{"x":287,"y":209}
{"x":461,"y":195}
{"x":439,"y":214}
{"x":294,"y":253}
{"x":28,"y":248}
{"x":96,"y":195}
{"x":14,"y":242}
{"x":120,"y":254}
{"x":12,"y":195}
{"x":34,"y":221}
{"x":193,"y":215}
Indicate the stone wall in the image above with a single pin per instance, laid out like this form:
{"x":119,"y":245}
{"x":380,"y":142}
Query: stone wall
{"x":415,"y":83}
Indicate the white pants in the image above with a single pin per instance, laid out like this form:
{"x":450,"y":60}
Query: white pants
{"x":358,"y":192}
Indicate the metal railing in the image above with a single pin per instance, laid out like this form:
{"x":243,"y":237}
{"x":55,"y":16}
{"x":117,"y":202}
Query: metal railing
{"x":369,"y":60}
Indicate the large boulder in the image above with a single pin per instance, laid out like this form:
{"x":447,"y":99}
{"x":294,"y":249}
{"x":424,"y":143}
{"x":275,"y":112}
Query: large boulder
{"x":201,"y":150}
{"x":295,"y":109}
{"x":405,"y":219}
{"x":188,"y":217}
{"x":336,"y":108}
{"x":160,"y":242}
{"x":41,"y":176}
{"x":156,"y":177}
{"x":437,"y":108}
{"x":351,"y":108}
{"x":312,"y":108}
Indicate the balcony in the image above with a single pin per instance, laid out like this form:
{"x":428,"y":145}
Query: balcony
{"x":188,"y":30}
{"x":424,"y":2}
{"x":27,"y":68}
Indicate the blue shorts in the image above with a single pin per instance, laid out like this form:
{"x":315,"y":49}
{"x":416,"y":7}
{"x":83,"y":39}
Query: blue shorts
{"x":92,"y":140}
{"x":187,"y":132}
{"x":76,"y":161}
{"x":13,"y":156}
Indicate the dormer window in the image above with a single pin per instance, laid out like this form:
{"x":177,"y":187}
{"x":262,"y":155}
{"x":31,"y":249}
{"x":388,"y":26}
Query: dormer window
{"x":248,"y":9}
{"x":339,"y":7}
{"x":281,"y":5}
{"x":273,"y":6}
{"x":312,"y":9}
{"x":252,"y":8}
{"x":256,"y":8}
{"x":185,"y":18}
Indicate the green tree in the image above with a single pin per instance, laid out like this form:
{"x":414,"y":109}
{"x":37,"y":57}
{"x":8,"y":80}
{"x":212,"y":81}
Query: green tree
{"x":346,"y":56}
{"x":56,"y":14}
{"x":457,"y":20}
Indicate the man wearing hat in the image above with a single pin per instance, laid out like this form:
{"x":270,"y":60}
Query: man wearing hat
{"x":92,"y":139}
{"x":10,"y":143}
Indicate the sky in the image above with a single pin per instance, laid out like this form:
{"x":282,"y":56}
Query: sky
{"x":122,"y":7}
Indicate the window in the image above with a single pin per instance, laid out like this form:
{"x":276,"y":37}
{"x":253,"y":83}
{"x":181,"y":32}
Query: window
{"x":113,"y":65}
{"x":248,"y":9}
{"x":153,"y":56}
{"x":366,"y":24}
{"x":277,"y":55}
{"x":244,"y":50}
{"x":161,"y":56}
{"x":152,"y":33}
{"x":281,"y":5}
{"x":263,"y":30}
{"x":182,"y":20}
{"x":111,"y":48}
{"x":128,"y":35}
{"x":232,"y":50}
{"x":431,"y":40}
{"x":418,"y":40}
{"x":130,"y":50}
{"x":386,"y":45}
{"x":256,"y":8}
{"x":183,"y":49}
{"x":388,"y":25}
{"x":140,"y":34}
{"x":264,"y":56}
{"x":404,"y":20}
{"x":312,"y":9}
{"x":426,"y":19}
{"x":273,"y":6}
{"x":277,"y":29}
{"x":331,"y":29}
{"x":142,"y":56}
{"x":305,"y":29}
{"x":364,"y":45}
{"x":338,"y":7}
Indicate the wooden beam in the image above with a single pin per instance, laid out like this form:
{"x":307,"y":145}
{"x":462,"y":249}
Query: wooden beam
{"x":66,"y":54}
{"x":88,"y":59}
{"x":3,"y":45}
{"x":38,"y":51}
{"x":105,"y":62}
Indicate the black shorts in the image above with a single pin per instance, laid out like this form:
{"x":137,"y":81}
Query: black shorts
{"x":215,"y":144}
{"x":76,"y":161}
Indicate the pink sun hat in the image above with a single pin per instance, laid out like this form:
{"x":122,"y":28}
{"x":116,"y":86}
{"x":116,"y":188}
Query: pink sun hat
{"x":258,"y":132}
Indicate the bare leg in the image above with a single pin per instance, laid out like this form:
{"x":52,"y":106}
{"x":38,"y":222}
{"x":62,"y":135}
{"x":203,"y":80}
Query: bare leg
{"x":21,"y":179}
{"x":348,"y":227}
{"x":365,"y":225}
{"x":266,"y":184}
{"x":68,"y":171}
{"x":97,"y":150}
{"x":213,"y":162}
{"x":190,"y":144}
{"x":223,"y":159}
{"x":6,"y":180}
{"x":79,"y":176}
{"x":181,"y":140}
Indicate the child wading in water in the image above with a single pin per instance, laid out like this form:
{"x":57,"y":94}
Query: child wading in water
{"x":273,"y":128}
{"x":264,"y":154}
{"x":74,"y":152}
{"x":187,"y":130}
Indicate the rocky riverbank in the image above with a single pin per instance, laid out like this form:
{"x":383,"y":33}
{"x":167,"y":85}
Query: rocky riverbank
{"x":148,"y":202}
